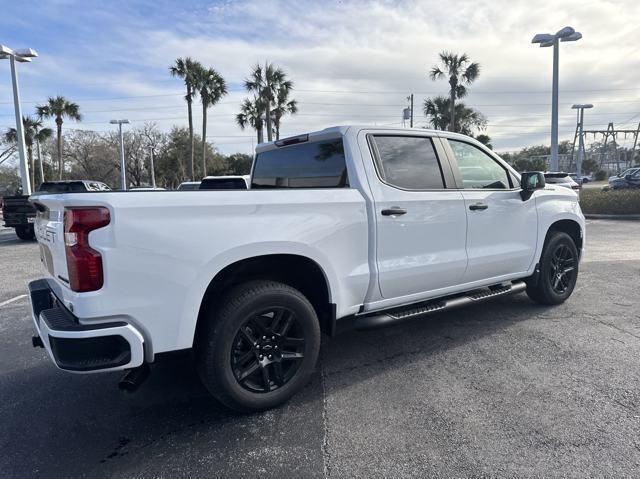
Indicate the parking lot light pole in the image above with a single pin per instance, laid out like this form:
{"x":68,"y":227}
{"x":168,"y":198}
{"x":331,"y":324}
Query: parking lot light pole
{"x":580,"y":108}
{"x":567,"y":34}
{"x":23,"y":55}
{"x":123,"y":174}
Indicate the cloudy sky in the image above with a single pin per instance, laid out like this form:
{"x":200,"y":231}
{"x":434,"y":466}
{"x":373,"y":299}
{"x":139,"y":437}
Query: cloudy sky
{"x":351,"y":61}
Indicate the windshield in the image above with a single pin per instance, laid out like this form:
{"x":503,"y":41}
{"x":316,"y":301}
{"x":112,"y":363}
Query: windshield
{"x":556,"y":180}
{"x":223,"y":184}
{"x":62,"y":187}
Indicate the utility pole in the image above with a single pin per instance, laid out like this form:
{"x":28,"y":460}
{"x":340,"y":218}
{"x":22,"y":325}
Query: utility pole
{"x":123,"y":173}
{"x":23,"y":55}
{"x":40,"y":161}
{"x":554,"y":107}
{"x":411,"y":121}
{"x":153,"y":171}
{"x":580,"y":108}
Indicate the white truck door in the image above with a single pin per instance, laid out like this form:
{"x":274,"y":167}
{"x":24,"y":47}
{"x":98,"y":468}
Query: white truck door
{"x":501,"y":228}
{"x":420,"y":225}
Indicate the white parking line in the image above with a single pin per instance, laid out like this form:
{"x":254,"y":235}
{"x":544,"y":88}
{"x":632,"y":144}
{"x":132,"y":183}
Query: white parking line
{"x":9,"y":301}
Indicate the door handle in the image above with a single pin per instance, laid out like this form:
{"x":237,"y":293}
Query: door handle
{"x":393,"y":211}
{"x":478,"y":206}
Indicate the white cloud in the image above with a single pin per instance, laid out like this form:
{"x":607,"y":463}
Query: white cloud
{"x":383,"y":46}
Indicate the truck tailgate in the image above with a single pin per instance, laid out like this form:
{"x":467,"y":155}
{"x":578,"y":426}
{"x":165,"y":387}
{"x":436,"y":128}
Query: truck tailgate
{"x":49,"y":231}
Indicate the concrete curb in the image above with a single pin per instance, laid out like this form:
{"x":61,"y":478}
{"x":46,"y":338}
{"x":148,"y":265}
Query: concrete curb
{"x":612,"y":217}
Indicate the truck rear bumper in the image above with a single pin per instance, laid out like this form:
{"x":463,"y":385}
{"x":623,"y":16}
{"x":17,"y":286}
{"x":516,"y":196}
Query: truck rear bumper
{"x":82,"y":348}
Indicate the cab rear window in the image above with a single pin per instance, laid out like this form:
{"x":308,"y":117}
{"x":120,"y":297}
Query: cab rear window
{"x":319,"y":164}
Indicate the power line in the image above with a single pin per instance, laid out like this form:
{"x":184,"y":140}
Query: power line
{"x":389,"y":92}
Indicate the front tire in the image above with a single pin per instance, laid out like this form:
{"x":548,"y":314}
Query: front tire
{"x":25,"y":233}
{"x":558,"y":270}
{"x":259,"y":347}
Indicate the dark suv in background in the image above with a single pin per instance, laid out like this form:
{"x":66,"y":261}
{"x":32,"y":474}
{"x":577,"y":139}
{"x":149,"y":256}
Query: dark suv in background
{"x":19,"y":214}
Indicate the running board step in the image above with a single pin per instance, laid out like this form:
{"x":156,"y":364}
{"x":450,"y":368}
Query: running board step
{"x":395,"y":316}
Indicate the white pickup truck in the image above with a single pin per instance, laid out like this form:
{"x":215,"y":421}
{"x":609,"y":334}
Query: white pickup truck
{"x":348,"y":227}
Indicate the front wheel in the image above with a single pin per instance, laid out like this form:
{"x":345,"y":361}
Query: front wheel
{"x":25,"y":233}
{"x":558,"y":270}
{"x":259,"y":347}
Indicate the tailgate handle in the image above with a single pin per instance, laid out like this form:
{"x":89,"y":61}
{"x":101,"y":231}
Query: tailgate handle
{"x":393,"y":211}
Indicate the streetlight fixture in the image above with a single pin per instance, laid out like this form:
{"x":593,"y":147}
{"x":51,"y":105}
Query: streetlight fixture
{"x":567,"y":34}
{"x":580,"y":107}
{"x":123,"y":175}
{"x":23,"y":55}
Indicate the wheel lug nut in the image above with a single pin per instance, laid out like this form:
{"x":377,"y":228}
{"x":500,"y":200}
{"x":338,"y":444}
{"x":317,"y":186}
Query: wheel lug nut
{"x":273,"y":337}
{"x":261,"y":356}
{"x":270,"y":356}
{"x":276,"y":346}
{"x":264,"y":337}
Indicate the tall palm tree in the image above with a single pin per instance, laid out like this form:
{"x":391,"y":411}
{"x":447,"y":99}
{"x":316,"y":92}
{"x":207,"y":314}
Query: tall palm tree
{"x":264,"y":83}
{"x":33,"y":132}
{"x":438,"y":110}
{"x":251,"y":115}
{"x":59,"y":108}
{"x":461,"y":72}
{"x":283,"y":105}
{"x":211,"y":87}
{"x":186,"y":68}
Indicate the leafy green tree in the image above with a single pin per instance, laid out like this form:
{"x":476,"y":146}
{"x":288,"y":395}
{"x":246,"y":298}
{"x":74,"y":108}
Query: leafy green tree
{"x":460,"y":72}
{"x":187,"y":69}
{"x":59,"y":108}
{"x":212,"y":88}
{"x":251,"y":115}
{"x":9,"y":181}
{"x":174,"y":148}
{"x":467,"y":119}
{"x":239,"y":164}
{"x":485,"y":140}
{"x":33,"y":133}
{"x":590,"y":166}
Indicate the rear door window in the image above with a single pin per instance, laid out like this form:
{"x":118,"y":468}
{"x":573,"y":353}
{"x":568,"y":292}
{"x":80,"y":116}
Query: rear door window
{"x":318,"y":164}
{"x":408,"y":162}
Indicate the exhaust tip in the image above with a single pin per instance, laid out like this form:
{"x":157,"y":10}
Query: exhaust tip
{"x":133,"y":378}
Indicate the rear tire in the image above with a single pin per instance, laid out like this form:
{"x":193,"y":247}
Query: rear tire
{"x":558,"y":270}
{"x":25,"y":233}
{"x":259,"y":347}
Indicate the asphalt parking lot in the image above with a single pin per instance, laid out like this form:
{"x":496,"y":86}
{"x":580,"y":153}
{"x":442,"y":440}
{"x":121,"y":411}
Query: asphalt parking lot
{"x":508,"y":389}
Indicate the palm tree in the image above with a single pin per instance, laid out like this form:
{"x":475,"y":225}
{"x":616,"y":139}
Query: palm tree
{"x":264,"y":83}
{"x":186,"y":68}
{"x":460,"y":72}
{"x":438,"y":110}
{"x":283,"y":105}
{"x":33,"y":132}
{"x":251,"y":114}
{"x":211,"y":87}
{"x":59,"y":108}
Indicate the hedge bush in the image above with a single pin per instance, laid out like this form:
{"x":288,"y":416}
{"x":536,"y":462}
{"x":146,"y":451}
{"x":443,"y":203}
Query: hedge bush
{"x":611,"y":202}
{"x":600,"y":175}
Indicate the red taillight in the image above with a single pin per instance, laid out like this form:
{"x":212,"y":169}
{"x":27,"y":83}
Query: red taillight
{"x":84,"y":264}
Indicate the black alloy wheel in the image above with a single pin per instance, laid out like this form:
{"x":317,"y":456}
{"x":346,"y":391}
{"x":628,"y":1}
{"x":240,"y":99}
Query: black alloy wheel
{"x":268,"y":350}
{"x":562,"y":269}
{"x":258,"y":346}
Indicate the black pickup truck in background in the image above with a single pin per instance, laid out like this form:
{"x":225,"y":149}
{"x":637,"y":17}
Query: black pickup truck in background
{"x":19,"y":214}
